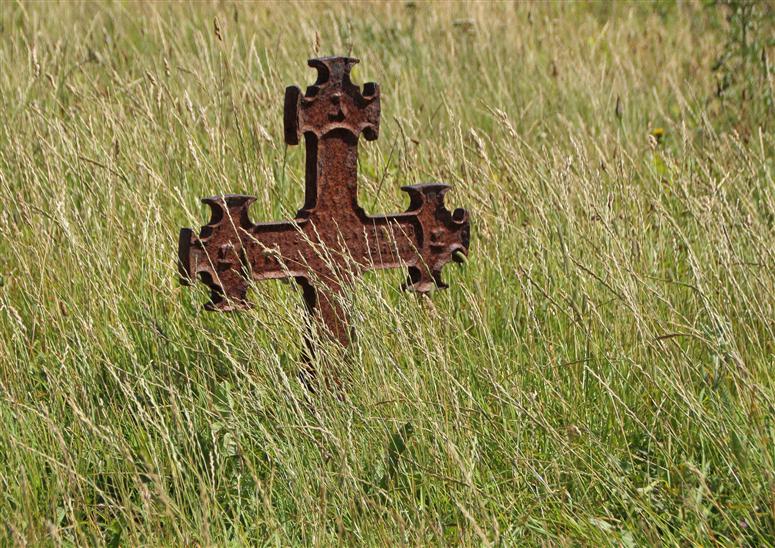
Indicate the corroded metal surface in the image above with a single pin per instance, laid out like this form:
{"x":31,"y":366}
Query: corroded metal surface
{"x":332,"y":239}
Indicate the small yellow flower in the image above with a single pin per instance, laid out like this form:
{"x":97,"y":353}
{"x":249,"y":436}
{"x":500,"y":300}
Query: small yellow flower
{"x":658,"y":133}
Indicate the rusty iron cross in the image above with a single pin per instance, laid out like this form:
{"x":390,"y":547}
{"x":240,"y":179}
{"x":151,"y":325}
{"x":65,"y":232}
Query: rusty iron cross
{"x":332,"y":239}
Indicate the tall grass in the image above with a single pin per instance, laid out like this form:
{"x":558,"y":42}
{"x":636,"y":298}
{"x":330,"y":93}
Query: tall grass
{"x":601,"y":371}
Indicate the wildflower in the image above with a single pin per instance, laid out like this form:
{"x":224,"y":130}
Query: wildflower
{"x":658,"y":133}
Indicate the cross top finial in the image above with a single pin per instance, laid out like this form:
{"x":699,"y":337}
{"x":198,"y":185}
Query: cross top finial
{"x":332,"y":102}
{"x":333,"y":70}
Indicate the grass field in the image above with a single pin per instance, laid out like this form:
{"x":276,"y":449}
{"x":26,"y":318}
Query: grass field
{"x":600,"y":371}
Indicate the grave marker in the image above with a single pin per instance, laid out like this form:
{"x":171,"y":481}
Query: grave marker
{"x":332,"y":239}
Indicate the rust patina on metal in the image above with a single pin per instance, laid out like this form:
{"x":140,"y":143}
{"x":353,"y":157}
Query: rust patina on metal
{"x":332,"y":239}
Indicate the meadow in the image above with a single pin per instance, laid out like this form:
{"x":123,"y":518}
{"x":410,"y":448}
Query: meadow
{"x":600,"y":371}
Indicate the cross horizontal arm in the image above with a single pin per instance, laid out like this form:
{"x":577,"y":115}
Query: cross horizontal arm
{"x":427,"y":236}
{"x":230,"y":250}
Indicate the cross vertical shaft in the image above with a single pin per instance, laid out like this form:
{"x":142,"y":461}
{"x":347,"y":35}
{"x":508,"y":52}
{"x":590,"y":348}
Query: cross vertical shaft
{"x":331,"y":174}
